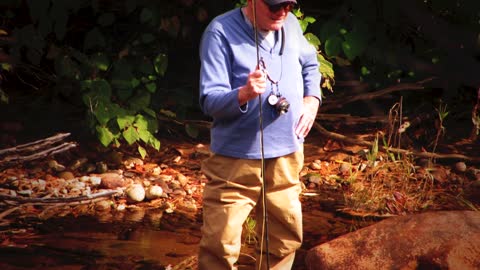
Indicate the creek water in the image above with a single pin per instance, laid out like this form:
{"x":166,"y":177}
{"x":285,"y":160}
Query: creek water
{"x":143,"y":239}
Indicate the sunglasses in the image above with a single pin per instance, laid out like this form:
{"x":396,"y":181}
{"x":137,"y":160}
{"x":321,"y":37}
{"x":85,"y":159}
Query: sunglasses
{"x":287,"y":7}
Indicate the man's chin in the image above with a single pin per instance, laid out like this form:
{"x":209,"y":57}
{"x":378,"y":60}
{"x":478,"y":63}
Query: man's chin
{"x":276,"y":25}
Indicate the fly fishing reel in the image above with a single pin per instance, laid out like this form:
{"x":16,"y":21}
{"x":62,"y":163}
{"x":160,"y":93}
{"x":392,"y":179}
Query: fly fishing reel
{"x":275,"y":98}
{"x":279,"y":102}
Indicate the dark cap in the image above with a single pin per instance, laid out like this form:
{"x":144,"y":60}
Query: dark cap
{"x":276,"y":2}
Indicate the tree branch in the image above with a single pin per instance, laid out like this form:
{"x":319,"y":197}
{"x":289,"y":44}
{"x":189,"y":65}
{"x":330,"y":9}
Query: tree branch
{"x":77,"y":199}
{"x":340,"y":137}
{"x":368,"y":96}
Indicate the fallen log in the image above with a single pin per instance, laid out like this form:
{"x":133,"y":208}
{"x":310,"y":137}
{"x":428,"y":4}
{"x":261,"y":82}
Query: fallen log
{"x":335,"y":104}
{"x":35,"y":150}
{"x":50,"y":200}
{"x":343,"y":138}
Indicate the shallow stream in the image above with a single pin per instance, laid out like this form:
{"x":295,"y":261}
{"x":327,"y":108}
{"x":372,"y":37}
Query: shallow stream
{"x":143,"y":239}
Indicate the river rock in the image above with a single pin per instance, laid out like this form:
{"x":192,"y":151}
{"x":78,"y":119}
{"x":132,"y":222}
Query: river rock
{"x":460,"y":166}
{"x":432,"y":240}
{"x":316,"y":165}
{"x":53,"y":164}
{"x":67,"y":175}
{"x":78,"y":163}
{"x":136,"y":192}
{"x":131,"y":162}
{"x":103,"y":205}
{"x":153,"y":192}
{"x":112,"y":180}
{"x":182,"y":179}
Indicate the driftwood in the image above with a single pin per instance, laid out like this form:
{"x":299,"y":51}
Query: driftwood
{"x":343,"y":138}
{"x":76,"y":199}
{"x":371,"y":95}
{"x":35,"y":150}
{"x":19,"y":202}
{"x":350,"y":119}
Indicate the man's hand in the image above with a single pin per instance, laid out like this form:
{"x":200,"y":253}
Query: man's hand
{"x":256,"y":85}
{"x":307,"y":118}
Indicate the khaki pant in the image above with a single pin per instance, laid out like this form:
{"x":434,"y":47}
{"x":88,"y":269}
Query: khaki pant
{"x":233,"y":191}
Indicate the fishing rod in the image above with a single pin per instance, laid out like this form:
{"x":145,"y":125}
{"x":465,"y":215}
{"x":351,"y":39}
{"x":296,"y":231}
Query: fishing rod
{"x":262,"y":170}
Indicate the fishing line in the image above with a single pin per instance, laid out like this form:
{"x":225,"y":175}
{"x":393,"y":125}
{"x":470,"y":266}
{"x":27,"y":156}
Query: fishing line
{"x":262,"y":172}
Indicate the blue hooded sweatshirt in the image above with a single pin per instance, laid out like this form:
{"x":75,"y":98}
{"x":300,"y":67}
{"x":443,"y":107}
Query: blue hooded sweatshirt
{"x":228,"y":54}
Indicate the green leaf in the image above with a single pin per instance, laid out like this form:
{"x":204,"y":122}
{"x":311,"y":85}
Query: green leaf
{"x":103,"y":113}
{"x":106,"y":19}
{"x":104,"y":135}
{"x":124,"y":93}
{"x":3,"y":97}
{"x":303,"y":25}
{"x":144,"y":135}
{"x":100,"y":61}
{"x":150,"y":112}
{"x":151,"y":87}
{"x":306,"y":21}
{"x":153,"y":125}
{"x":135,"y":82}
{"x":354,"y":45}
{"x":333,"y":46}
{"x":348,"y":50}
{"x":298,"y":13}
{"x":310,"y":19}
{"x":5,"y":66}
{"x":102,"y":89}
{"x":140,"y":101}
{"x":122,"y":75}
{"x":125,"y":121}
{"x":97,"y":91}
{"x":94,"y":39}
{"x":365,"y":71}
{"x":326,"y":67}
{"x":141,"y":122}
{"x":144,"y":79}
{"x":329,"y":30}
{"x":142,"y":151}
{"x":155,"y":143}
{"x":313,"y":39}
{"x":160,"y":63}
{"x":149,"y":139}
{"x":130,"y":135}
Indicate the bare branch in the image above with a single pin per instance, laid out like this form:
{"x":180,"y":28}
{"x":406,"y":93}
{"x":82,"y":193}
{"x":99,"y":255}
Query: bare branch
{"x":83,"y":198}
{"x":340,"y":137}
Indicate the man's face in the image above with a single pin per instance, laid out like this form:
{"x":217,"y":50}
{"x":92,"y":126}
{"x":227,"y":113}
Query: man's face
{"x":271,"y":18}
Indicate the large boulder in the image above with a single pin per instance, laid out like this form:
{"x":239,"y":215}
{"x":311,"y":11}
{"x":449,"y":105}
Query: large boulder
{"x":432,"y":240}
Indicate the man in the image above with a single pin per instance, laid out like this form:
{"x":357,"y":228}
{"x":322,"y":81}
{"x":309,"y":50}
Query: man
{"x":287,"y":81}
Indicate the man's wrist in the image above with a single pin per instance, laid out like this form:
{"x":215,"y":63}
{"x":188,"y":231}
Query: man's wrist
{"x":242,"y":96}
